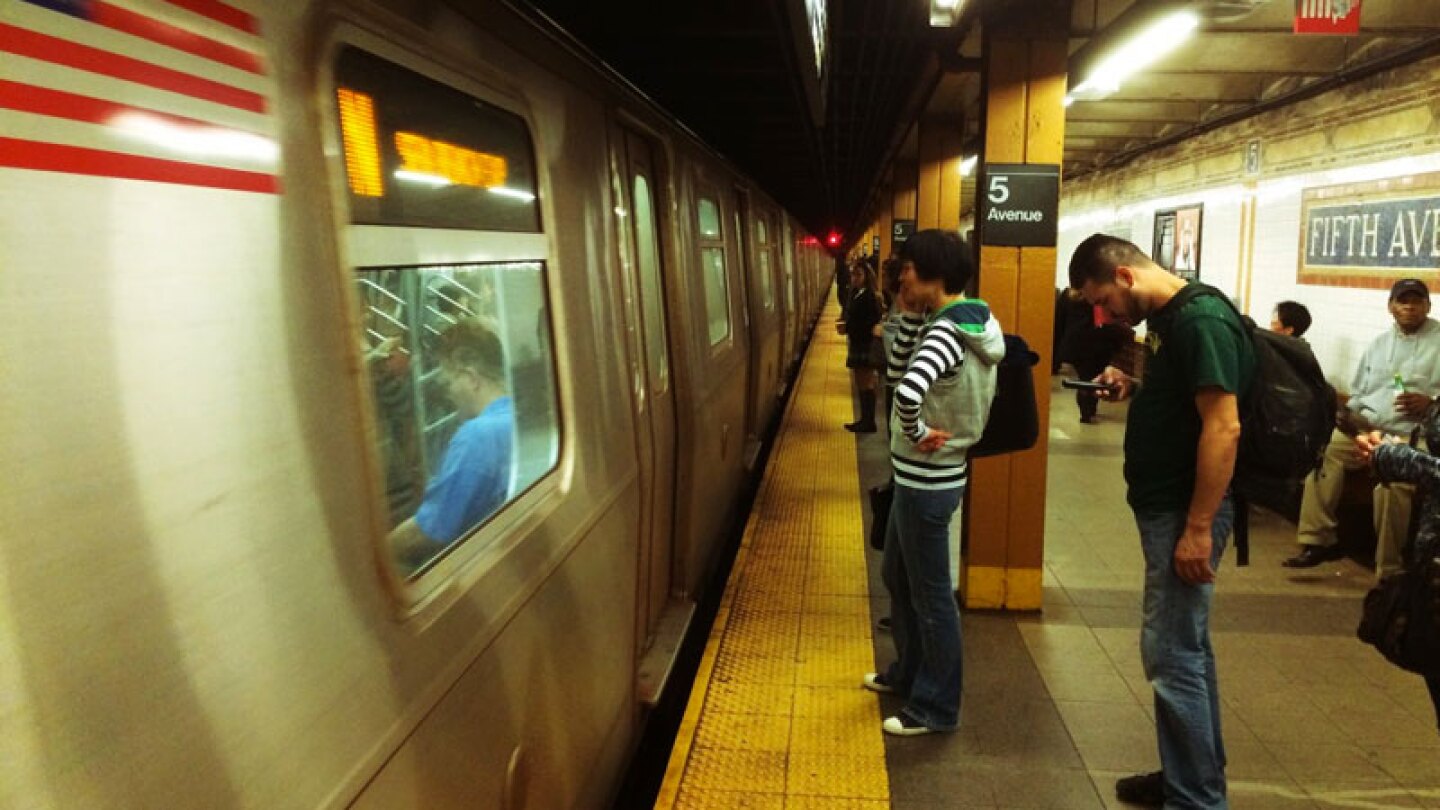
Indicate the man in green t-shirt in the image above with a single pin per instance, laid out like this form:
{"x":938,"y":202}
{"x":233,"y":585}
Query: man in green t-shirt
{"x":1180,"y":443}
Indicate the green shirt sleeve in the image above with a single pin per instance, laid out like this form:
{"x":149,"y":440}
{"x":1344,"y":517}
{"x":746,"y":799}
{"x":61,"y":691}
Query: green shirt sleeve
{"x":1209,"y":352}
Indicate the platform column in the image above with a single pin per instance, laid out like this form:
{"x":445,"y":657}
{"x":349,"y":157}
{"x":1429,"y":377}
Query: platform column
{"x":1025,"y":123}
{"x":939,"y":181}
{"x":904,"y":183}
{"x":885,"y":222}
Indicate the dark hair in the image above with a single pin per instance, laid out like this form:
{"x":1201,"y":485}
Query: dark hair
{"x":891,"y":275}
{"x":940,"y":255}
{"x":1096,"y":258}
{"x":1294,"y":315}
{"x":470,"y":344}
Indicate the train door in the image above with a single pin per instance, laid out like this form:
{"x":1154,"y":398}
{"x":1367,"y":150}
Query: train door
{"x":754,"y":325}
{"x":663,"y":619}
{"x":790,"y":320}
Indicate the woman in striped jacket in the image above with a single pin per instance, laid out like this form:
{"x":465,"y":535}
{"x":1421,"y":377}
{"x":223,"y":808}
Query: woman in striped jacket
{"x":941,"y":404}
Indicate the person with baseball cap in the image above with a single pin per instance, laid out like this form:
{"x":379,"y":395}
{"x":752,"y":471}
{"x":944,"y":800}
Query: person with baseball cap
{"x":1396,"y":382}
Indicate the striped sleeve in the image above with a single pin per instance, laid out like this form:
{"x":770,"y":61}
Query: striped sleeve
{"x":939,"y":352}
{"x":907,"y":327}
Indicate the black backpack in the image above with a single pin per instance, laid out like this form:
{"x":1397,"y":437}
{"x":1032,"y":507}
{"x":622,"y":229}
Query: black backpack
{"x":1287,"y":416}
{"x":1014,"y":421}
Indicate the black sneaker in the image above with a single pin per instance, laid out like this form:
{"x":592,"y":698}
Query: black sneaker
{"x":1142,"y":788}
{"x":901,"y":725}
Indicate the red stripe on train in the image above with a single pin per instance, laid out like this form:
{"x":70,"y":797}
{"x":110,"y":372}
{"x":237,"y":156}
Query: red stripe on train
{"x":221,"y":13}
{"x":60,"y":104}
{"x":25,"y":42}
{"x":126,"y":21}
{"x":54,"y":157}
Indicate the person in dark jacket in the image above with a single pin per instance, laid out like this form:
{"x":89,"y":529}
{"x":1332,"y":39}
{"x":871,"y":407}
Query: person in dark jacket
{"x":1393,"y":460}
{"x":862,"y":315}
{"x":1090,"y":343}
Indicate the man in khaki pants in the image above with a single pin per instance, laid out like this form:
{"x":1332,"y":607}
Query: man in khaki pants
{"x":1392,"y":388}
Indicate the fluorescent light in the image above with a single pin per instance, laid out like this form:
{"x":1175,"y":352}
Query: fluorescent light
{"x":513,"y":193}
{"x":968,"y":165}
{"x":1141,"y":51}
{"x":944,"y":13}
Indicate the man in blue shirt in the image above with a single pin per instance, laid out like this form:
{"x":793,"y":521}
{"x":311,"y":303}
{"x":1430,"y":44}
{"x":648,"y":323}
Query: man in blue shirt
{"x":473,"y":479}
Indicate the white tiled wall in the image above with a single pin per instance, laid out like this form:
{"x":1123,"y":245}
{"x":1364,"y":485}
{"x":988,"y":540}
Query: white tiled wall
{"x":1346,"y":319}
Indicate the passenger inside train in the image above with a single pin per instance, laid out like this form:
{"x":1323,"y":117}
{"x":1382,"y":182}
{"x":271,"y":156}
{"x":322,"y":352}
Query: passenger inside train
{"x":473,"y":478}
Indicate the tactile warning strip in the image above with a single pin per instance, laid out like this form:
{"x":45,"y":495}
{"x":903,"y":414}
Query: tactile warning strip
{"x":777,"y":718}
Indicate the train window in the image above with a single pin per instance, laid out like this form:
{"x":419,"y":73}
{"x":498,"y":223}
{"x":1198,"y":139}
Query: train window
{"x":762,"y":251}
{"x":649,"y":260}
{"x":460,"y":364}
{"x":712,"y":261}
{"x":709,"y":219}
{"x":421,"y":153}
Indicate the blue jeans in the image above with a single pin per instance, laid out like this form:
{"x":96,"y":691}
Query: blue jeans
{"x":1180,"y":663}
{"x":924,"y":621}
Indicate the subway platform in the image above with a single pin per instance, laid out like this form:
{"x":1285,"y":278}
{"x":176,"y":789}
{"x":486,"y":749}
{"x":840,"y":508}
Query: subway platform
{"x":1055,"y":706}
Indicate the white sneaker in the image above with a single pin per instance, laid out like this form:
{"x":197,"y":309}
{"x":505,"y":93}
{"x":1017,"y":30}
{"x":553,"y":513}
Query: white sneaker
{"x":875,"y":682}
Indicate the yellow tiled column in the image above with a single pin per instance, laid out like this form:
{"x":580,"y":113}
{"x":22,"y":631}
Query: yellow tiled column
{"x":939,"y":181}
{"x":1025,"y":123}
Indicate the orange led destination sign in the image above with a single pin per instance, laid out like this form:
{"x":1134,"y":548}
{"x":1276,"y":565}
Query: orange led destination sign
{"x":362,"y":148}
{"x":418,"y":154}
{"x":461,"y":166}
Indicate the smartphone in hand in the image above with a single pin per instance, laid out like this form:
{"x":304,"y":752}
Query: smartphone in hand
{"x":1086,"y":385}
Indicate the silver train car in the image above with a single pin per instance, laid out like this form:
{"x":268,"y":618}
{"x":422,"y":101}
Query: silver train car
{"x":380,"y":382}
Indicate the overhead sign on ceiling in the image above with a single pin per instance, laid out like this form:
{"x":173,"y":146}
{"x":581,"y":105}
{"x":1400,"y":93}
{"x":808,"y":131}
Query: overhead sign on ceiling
{"x":1327,"y":17}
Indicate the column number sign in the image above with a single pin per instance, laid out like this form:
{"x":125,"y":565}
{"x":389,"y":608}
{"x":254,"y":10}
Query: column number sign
{"x":1020,"y":204}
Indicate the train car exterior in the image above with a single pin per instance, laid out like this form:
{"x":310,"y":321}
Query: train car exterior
{"x":274,"y":276}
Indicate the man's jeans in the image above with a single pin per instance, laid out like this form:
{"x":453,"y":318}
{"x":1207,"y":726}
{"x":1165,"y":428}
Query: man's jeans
{"x":924,"y":622}
{"x":1180,"y":663}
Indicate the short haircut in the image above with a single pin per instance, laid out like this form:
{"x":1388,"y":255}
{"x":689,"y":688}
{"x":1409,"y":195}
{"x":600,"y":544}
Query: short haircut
{"x":1294,"y":315}
{"x":1097,"y":257}
{"x":940,"y":255}
{"x":471,"y":344}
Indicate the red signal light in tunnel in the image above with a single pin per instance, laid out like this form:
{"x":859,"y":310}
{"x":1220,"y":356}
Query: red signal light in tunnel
{"x":833,"y":240}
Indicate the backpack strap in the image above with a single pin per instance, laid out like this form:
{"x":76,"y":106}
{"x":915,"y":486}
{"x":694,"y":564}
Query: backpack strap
{"x":1241,"y":525}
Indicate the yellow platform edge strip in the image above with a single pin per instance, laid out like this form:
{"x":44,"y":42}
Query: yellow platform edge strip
{"x":873,"y":775}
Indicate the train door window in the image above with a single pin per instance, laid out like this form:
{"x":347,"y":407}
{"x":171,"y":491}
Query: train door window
{"x":787,"y":260}
{"x":712,"y":261}
{"x":762,"y":251}
{"x":458,"y":355}
{"x":649,"y":260}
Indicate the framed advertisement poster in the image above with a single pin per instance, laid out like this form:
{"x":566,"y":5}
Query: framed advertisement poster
{"x":1177,"y":240}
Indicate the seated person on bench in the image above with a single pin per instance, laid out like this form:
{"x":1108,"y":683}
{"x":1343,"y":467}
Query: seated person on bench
{"x":1408,"y":352}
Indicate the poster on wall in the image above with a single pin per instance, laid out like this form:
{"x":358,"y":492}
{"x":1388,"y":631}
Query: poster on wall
{"x":1369,"y":234}
{"x":1177,"y":240}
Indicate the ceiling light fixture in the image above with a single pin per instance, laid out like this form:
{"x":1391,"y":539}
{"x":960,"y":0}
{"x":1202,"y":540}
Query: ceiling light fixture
{"x":1139,"y":52}
{"x":944,"y":13}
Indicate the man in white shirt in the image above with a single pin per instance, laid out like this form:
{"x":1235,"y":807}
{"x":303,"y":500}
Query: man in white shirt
{"x":1395,"y":383}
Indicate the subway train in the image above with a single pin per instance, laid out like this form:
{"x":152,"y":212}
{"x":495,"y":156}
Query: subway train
{"x":382,"y":380}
